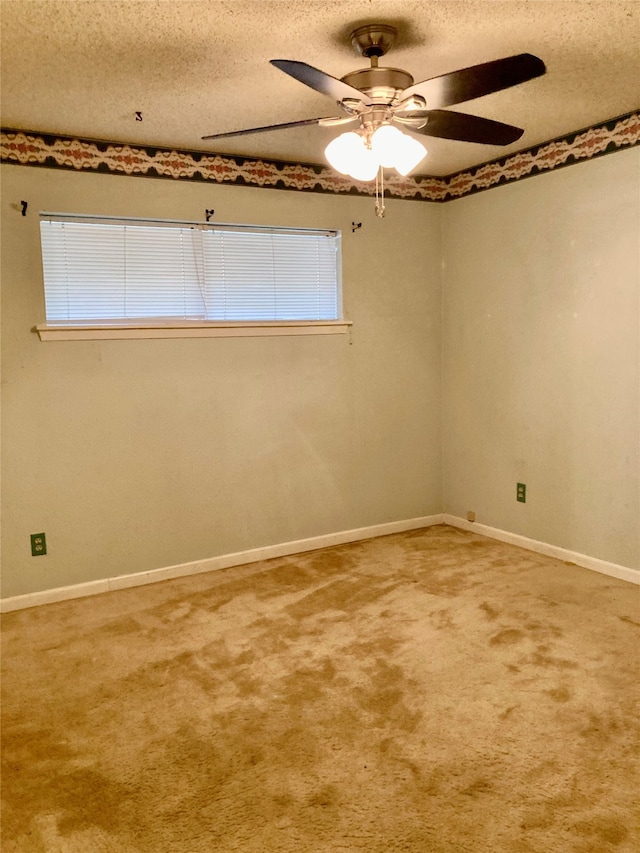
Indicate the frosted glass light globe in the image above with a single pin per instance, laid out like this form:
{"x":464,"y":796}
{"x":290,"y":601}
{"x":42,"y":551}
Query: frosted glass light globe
{"x":365,"y":168}
{"x":349,"y":155}
{"x":344,"y":151}
{"x":408,"y":154}
{"x":385,"y":143}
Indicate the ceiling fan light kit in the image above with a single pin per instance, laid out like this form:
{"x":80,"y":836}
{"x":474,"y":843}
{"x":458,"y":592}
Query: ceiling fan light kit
{"x":361,"y":155}
{"x":380,"y":98}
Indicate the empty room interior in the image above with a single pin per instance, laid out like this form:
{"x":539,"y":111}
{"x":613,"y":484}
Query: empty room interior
{"x":364,"y":579}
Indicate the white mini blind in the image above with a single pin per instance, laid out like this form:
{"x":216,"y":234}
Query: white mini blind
{"x":102,"y":270}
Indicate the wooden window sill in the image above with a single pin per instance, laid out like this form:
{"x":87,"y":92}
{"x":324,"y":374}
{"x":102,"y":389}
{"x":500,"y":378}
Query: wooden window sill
{"x":107,"y":331}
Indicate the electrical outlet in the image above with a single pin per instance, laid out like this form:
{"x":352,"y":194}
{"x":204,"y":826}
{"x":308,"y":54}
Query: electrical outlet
{"x":38,"y":544}
{"x":521,"y":493}
{"x":471,"y":516}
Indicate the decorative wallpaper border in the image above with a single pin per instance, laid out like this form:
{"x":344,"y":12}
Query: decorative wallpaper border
{"x":605,"y":138}
{"x":31,"y":148}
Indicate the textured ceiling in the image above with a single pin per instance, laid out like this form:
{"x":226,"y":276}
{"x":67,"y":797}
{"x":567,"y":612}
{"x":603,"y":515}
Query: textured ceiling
{"x":194,"y":67}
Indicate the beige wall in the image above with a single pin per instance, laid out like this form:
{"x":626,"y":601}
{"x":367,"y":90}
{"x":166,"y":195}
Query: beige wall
{"x":135,"y":455}
{"x":541,"y":360}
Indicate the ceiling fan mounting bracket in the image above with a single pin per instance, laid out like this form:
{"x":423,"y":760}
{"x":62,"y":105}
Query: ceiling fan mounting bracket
{"x":373,"y":40}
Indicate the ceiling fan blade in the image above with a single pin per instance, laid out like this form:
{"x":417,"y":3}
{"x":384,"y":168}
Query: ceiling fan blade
{"x":318,"y":80}
{"x":264,"y":129}
{"x":466,"y":128}
{"x":478,"y":80}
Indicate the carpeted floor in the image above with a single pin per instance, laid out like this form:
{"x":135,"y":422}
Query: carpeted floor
{"x":427,"y":691}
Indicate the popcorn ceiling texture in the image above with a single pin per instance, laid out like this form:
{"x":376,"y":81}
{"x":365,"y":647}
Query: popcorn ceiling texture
{"x":427,"y":691}
{"x":197,"y":67}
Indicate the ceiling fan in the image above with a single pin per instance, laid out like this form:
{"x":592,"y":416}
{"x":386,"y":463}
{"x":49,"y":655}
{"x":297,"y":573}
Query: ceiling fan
{"x":377,"y":99}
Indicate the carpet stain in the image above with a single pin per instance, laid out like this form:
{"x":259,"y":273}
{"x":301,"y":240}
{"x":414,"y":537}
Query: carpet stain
{"x":504,"y":715}
{"x":537,"y":817}
{"x":443,"y":619}
{"x":540,"y":630}
{"x":327,"y":796}
{"x":341,"y":594}
{"x":307,"y":684}
{"x":542,"y":658}
{"x":560,"y":694}
{"x":478,"y":787}
{"x":121,"y":627}
{"x":604,"y":728}
{"x":489,"y":611}
{"x":605,"y":828}
{"x":507,"y":637}
{"x":55,"y":784}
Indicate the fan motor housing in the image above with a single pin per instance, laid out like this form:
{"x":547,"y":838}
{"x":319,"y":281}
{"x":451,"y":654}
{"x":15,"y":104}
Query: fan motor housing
{"x":383,"y":85}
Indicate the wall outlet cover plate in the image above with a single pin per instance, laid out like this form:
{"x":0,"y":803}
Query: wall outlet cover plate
{"x":38,"y":544}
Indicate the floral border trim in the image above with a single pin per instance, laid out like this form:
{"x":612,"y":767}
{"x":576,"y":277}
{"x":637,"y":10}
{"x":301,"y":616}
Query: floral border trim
{"x":605,"y":138}
{"x":31,"y":148}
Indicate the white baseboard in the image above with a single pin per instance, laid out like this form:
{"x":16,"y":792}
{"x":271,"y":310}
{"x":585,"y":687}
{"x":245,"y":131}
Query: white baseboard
{"x":582,"y":560}
{"x":226,"y":561}
{"x":241,"y":558}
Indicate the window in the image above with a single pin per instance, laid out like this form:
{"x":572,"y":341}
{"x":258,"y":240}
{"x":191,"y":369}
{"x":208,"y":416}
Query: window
{"x":143,"y":274}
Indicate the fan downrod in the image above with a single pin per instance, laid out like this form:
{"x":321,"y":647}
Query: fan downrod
{"x":382,"y":85}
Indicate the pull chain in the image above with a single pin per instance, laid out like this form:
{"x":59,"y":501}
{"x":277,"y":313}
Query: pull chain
{"x":380,"y":193}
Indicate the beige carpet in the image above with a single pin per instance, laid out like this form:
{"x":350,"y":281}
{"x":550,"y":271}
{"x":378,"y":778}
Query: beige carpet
{"x":429,"y":691}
